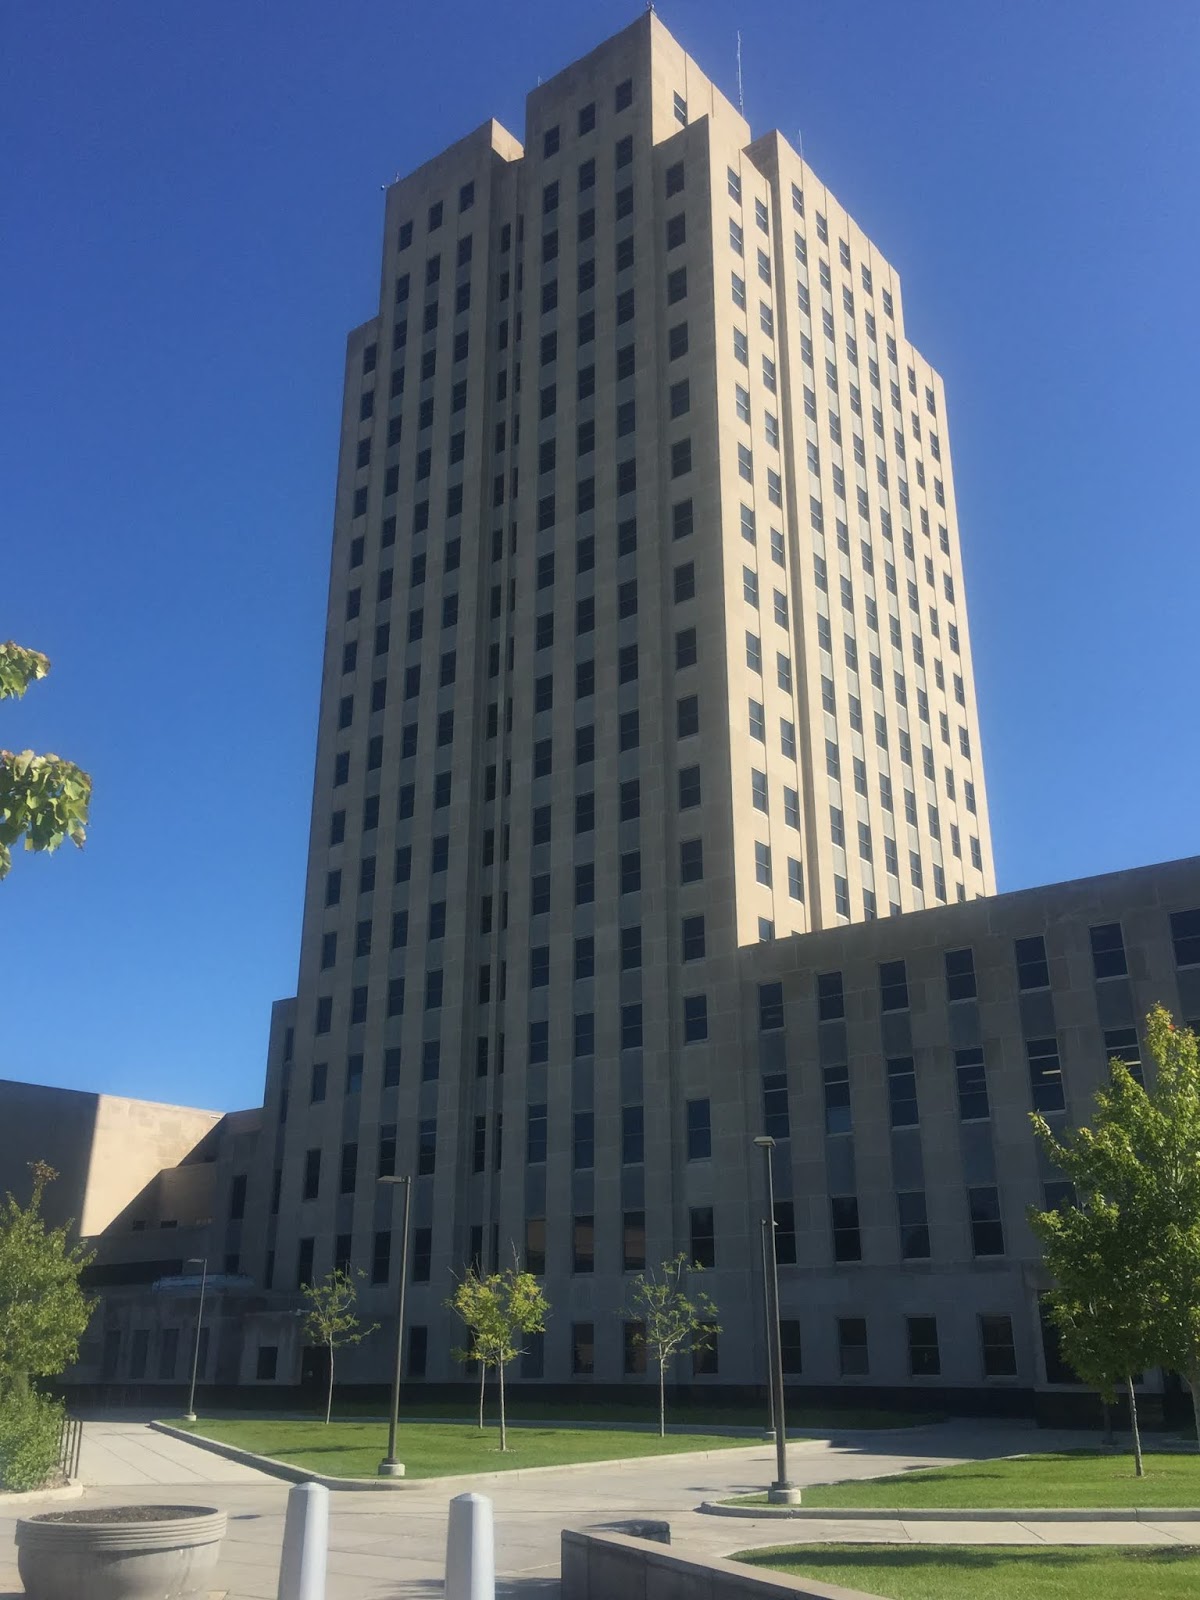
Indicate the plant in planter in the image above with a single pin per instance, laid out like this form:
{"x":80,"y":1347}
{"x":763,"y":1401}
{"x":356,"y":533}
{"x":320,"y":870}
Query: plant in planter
{"x":119,"y":1552}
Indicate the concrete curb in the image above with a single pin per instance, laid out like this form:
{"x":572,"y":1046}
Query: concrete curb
{"x":955,"y":1514}
{"x":291,"y":1474}
{"x":64,"y":1491}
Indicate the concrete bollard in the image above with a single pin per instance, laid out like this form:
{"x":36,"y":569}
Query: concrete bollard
{"x":305,"y":1543}
{"x":470,"y":1549}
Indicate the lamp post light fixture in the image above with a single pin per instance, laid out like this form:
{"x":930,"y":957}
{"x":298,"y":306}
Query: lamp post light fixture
{"x":781,"y":1491}
{"x":390,"y":1467}
{"x":190,"y":1414}
{"x":769,"y":1430}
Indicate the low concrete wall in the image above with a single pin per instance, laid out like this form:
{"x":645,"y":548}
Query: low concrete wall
{"x":609,"y":1566}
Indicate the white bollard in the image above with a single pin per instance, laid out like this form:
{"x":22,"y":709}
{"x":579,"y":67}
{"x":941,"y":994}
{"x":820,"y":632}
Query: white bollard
{"x":470,"y":1550}
{"x":305,"y":1543}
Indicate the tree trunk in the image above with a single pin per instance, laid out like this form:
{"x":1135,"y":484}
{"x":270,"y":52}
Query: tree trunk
{"x":329,"y":1394}
{"x":1193,"y":1379}
{"x":503,"y":1424}
{"x":482,"y":1381}
{"x":662,"y":1397}
{"x":1139,"y":1465}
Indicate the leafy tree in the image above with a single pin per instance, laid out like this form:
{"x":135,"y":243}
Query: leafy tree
{"x":498,"y":1310}
{"x":1103,"y":1300}
{"x":43,"y":799}
{"x":1136,"y":1170}
{"x":672,"y":1319}
{"x":331,"y":1319}
{"x":43,"y":1311}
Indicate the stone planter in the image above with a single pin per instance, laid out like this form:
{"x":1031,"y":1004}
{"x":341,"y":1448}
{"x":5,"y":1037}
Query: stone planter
{"x":119,"y":1552}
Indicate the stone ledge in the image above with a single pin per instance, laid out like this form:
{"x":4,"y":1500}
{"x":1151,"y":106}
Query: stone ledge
{"x":956,"y":1513}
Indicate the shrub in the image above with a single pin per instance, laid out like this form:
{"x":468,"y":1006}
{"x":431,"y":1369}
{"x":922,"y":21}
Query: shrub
{"x":30,"y":1425}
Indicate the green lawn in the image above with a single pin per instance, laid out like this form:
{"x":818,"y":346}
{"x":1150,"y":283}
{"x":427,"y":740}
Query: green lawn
{"x":429,"y":1450}
{"x":530,"y":1408}
{"x":1077,"y":1478}
{"x":994,"y":1572}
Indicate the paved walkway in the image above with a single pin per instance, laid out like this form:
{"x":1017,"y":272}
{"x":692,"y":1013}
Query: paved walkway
{"x":392,"y":1547}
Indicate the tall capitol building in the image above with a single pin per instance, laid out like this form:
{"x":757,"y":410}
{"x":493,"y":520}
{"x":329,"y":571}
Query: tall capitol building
{"x":647,"y":643}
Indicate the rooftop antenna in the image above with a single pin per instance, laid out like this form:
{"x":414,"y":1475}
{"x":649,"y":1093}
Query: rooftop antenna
{"x":741,"y":100}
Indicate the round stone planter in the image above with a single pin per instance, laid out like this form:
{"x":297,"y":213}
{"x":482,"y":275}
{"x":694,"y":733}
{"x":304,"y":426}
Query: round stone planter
{"x":119,"y":1552}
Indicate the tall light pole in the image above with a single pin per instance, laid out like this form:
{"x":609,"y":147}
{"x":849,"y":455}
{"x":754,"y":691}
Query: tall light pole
{"x":781,"y":1491}
{"x":770,"y":1431}
{"x":389,"y":1467}
{"x":190,"y":1414}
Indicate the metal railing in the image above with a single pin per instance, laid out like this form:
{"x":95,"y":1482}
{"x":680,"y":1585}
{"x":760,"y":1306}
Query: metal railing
{"x":70,"y":1441}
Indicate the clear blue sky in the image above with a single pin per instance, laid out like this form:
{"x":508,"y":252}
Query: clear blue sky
{"x":191,"y":208}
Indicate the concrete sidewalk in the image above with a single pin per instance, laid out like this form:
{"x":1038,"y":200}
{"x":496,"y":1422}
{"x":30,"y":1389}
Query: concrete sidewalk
{"x":393,"y":1547}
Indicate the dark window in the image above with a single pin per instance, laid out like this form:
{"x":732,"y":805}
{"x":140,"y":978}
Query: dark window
{"x":583,"y":1244}
{"x":852,"y":1347}
{"x":902,"y":1091}
{"x":790,"y":1347}
{"x":770,"y":1006}
{"x":583,"y":1349}
{"x":924,"y":1361}
{"x":699,"y":1130}
{"x":1121,"y":1044}
{"x":847,"y":1241}
{"x":381,"y":1256}
{"x":632,"y":1135}
{"x":776,"y":1117}
{"x":831,"y":1002}
{"x":691,"y":861}
{"x":1185,"y":936}
{"x":1108,"y":951}
{"x":1045,"y":1075}
{"x":914,"y":1225}
{"x":703,"y":1242}
{"x":893,"y":986}
{"x":972,"y":1085}
{"x":960,"y":975}
{"x":535,"y":1245}
{"x":987,"y":1230}
{"x":1032,"y":970}
{"x":837,"y":1099}
{"x":695,"y":1018}
{"x":312,"y":1175}
{"x":996,"y":1342}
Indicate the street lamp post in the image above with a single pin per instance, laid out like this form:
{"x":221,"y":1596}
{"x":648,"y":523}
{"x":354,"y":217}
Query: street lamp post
{"x":781,"y":1491}
{"x":190,"y":1414}
{"x":389,"y":1467}
{"x":770,"y":1428}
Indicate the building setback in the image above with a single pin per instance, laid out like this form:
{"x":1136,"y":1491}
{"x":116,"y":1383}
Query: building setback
{"x":647,"y":710}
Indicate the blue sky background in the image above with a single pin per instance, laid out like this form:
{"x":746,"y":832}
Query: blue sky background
{"x":191,"y":209}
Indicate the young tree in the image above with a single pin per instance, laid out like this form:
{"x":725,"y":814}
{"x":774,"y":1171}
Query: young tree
{"x":43,"y":799}
{"x":43,"y":1311}
{"x":331,"y":1319}
{"x":1103,"y":1300}
{"x":498,"y":1310}
{"x":1138,"y":1166}
{"x":672,"y":1319}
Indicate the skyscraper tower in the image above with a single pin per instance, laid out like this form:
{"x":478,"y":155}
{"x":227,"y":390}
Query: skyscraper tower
{"x":646,"y":642}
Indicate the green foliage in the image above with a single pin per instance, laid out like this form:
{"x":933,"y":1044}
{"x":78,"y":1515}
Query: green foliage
{"x":331,"y":1319}
{"x":672,"y":1318}
{"x":1127,"y":1262}
{"x":499,"y":1310}
{"x":43,"y":799}
{"x":30,"y":1425}
{"x":43,"y":1311}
